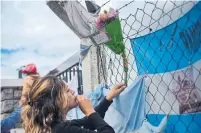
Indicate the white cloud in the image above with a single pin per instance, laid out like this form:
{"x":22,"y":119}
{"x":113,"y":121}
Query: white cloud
{"x":36,"y":23}
{"x":9,"y":73}
{"x":33,"y":26}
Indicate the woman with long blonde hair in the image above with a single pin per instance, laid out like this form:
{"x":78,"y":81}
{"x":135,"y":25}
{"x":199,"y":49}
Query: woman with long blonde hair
{"x":49,"y":101}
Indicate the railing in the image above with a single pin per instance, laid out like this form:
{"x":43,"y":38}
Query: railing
{"x":68,"y":69}
{"x":68,"y":74}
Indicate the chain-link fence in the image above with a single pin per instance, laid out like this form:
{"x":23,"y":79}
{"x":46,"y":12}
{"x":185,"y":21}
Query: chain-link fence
{"x":162,"y":45}
{"x":162,"y":40}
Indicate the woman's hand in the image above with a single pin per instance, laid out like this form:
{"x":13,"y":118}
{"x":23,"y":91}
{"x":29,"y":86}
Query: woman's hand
{"x":85,"y":105}
{"x":116,"y":90}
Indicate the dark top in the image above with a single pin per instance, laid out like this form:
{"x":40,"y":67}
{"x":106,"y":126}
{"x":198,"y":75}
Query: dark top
{"x":87,"y":124}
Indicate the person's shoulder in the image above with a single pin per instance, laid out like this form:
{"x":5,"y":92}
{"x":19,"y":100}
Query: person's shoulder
{"x":33,"y":76}
{"x":60,"y":127}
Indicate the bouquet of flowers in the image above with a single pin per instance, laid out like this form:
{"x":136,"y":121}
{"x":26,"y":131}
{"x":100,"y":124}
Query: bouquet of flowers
{"x":109,"y":22}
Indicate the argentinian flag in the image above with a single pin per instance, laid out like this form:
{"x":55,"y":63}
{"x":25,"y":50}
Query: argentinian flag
{"x":171,"y":60}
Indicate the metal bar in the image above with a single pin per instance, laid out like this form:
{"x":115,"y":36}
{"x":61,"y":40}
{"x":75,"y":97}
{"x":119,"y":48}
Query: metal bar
{"x":79,"y":89}
{"x":73,"y":71}
{"x":63,"y":75}
{"x":66,"y":75}
{"x":70,"y":76}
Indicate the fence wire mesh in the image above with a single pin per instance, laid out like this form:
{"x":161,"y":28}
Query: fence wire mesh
{"x":138,"y":19}
{"x":172,"y":85}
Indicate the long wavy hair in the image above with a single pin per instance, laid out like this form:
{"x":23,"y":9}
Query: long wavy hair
{"x":47,"y":103}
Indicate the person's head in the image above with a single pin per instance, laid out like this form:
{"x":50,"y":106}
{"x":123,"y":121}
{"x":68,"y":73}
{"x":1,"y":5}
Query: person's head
{"x":29,"y":69}
{"x":48,"y":101}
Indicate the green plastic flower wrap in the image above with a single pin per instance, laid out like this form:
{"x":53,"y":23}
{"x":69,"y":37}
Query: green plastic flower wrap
{"x":116,"y":44}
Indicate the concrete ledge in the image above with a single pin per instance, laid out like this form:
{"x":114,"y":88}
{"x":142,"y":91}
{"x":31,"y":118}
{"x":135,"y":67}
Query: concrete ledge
{"x":11,"y":82}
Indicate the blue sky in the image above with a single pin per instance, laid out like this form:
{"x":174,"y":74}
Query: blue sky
{"x":32,"y":33}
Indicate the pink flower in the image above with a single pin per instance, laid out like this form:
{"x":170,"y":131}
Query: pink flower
{"x":113,"y":14}
{"x":104,"y":17}
{"x":98,"y":23}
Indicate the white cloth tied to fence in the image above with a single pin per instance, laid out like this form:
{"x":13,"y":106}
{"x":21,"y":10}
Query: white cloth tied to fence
{"x":75,"y":16}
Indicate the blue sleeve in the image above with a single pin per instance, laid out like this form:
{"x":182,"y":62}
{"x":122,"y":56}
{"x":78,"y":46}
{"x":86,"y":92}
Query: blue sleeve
{"x":10,"y":121}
